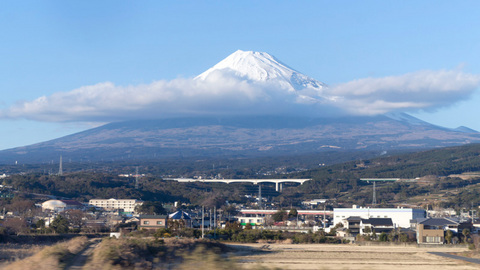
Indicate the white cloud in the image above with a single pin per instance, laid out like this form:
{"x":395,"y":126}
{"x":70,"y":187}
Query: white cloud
{"x":427,"y":90}
{"x":223,"y":94}
{"x":180,"y":97}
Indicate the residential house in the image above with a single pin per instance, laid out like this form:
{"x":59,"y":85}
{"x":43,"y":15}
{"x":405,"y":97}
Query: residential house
{"x":432,"y":230}
{"x":153,"y":222}
{"x":181,"y":217}
{"x":377,"y":225}
{"x":357,"y":225}
{"x":352,"y":225}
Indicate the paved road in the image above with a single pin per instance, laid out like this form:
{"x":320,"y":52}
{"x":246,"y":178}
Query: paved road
{"x":80,"y":259}
{"x":456,"y":257}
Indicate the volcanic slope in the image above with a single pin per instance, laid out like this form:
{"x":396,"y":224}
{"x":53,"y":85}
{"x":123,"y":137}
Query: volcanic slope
{"x":246,"y":135}
{"x":238,"y":137}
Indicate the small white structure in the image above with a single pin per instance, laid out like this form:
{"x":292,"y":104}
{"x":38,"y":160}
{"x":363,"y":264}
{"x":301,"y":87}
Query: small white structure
{"x":127,"y":205}
{"x":254,"y":221}
{"x":400,"y":216}
{"x":314,"y":202}
{"x":115,"y":234}
{"x":61,"y":205}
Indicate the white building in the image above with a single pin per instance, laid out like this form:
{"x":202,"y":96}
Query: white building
{"x":400,"y":216}
{"x":61,"y":205}
{"x":127,"y":205}
{"x":254,"y":220}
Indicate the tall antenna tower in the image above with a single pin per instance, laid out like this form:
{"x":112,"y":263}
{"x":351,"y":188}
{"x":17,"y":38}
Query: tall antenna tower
{"x":374,"y":181}
{"x":60,"y":168}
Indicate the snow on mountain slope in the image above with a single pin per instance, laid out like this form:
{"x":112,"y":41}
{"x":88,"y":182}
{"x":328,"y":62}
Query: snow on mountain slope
{"x":403,"y":117}
{"x":263,"y":67}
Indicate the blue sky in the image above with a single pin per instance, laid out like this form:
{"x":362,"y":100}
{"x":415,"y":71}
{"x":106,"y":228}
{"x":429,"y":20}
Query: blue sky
{"x":54,"y":47}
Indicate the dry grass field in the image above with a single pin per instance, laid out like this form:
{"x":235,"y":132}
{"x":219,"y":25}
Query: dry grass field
{"x":128,"y":254}
{"x":10,"y":252}
{"x":42,"y":258}
{"x":321,"y":256}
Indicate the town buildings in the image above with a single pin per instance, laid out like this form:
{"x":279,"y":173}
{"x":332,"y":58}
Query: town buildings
{"x":61,"y":205}
{"x":125,"y":205}
{"x":401,"y":217}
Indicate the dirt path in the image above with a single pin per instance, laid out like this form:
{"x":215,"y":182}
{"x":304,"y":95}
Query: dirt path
{"x":323,"y":256}
{"x":456,"y":257}
{"x":81,"y":258}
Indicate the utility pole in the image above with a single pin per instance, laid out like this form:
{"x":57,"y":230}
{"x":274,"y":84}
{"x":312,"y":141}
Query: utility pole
{"x":136,"y":177}
{"x":203,"y":221}
{"x":324,"y":216}
{"x":210,"y":219}
{"x":260,"y":195}
{"x":60,"y":167}
{"x":215,"y":222}
{"x":374,"y":199}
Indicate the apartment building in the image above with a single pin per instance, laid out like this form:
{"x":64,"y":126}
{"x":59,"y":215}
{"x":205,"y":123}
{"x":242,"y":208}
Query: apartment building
{"x":127,"y":205}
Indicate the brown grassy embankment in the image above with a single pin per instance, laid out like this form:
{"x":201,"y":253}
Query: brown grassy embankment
{"x":51,"y":257}
{"x":138,"y":253}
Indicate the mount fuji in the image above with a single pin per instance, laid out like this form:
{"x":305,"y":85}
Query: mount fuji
{"x":246,"y":136}
{"x":263,"y":67}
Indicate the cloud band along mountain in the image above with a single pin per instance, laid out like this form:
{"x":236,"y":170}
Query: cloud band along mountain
{"x":249,"y":104}
{"x":249,"y":83}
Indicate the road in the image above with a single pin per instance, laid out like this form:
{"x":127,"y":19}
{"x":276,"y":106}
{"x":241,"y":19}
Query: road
{"x":456,"y":257}
{"x":81,"y":258}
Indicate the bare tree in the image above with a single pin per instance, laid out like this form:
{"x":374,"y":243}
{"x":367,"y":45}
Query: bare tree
{"x":16,"y":225}
{"x":21,"y":207}
{"x":75,"y":217}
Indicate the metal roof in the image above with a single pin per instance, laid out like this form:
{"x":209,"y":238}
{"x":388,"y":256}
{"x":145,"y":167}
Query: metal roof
{"x":438,"y":222}
{"x":378,"y":221}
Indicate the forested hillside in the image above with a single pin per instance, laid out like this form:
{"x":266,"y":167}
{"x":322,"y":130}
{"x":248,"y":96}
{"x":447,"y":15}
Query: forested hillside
{"x":340,"y":183}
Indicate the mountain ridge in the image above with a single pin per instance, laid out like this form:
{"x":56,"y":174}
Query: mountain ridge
{"x":246,"y":136}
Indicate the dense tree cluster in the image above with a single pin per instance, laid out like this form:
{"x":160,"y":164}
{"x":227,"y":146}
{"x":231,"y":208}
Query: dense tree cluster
{"x":339,"y":182}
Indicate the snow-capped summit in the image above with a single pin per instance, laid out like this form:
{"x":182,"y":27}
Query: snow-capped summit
{"x":263,"y":67}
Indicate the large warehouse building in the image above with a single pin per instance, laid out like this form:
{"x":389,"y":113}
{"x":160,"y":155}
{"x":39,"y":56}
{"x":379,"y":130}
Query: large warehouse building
{"x":400,"y":216}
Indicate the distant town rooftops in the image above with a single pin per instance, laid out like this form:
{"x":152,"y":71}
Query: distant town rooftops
{"x":314,"y":201}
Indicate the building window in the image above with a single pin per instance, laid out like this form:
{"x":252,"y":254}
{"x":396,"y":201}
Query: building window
{"x":146,"y":222}
{"x":433,"y":239}
{"x":159,"y":223}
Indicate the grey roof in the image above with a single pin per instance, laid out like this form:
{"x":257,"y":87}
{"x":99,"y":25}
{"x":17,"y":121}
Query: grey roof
{"x":378,"y":221}
{"x":354,"y":218}
{"x":153,"y":216}
{"x":438,"y":222}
